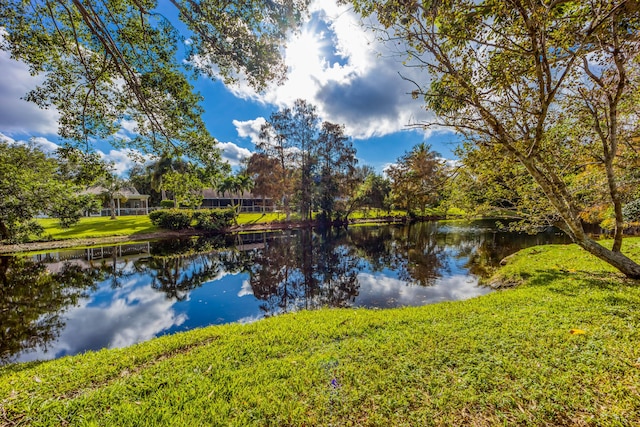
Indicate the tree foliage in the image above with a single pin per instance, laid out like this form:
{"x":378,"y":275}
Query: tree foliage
{"x":112,"y":63}
{"x":545,"y":84}
{"x":336,"y":162}
{"x":31,"y":184}
{"x":289,"y":136}
{"x":417,"y":178}
{"x":265,"y":172}
{"x":312,"y":162}
{"x":186,"y":188}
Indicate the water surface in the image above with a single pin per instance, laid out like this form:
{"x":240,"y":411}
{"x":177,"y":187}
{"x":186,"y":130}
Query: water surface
{"x":67,"y":302}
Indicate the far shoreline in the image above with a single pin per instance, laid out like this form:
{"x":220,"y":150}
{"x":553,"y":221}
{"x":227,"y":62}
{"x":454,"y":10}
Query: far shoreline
{"x":14,"y":249}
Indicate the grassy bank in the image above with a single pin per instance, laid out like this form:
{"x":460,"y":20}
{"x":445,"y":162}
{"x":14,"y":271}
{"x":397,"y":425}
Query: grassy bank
{"x":102,"y":226}
{"x":560,"y":349}
{"x":97,"y":227}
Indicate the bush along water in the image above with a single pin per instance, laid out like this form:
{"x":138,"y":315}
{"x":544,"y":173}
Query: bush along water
{"x":211,"y":220}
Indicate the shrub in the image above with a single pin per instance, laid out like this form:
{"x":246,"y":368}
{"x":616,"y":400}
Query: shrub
{"x":167,"y":204}
{"x":631,"y":211}
{"x":156,"y":217}
{"x":172,"y":219}
{"x":213,"y":219}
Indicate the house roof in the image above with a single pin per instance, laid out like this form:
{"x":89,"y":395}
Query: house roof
{"x":124,"y":193}
{"x":210,"y":193}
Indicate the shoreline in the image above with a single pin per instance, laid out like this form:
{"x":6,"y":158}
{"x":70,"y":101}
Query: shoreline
{"x":172,"y":234}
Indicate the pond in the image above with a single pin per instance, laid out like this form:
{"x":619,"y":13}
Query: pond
{"x":70,"y":301}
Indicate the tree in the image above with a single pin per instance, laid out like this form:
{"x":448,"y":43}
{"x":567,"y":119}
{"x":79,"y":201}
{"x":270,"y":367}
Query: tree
{"x":336,"y":162}
{"x":186,"y":188}
{"x":505,"y":75}
{"x":375,"y":192}
{"x":140,"y":177}
{"x":236,"y":185}
{"x":243,"y":183}
{"x":314,"y":162}
{"x":417,"y":178}
{"x":31,"y":184}
{"x":289,"y":136}
{"x":107,"y":63}
{"x":265,"y":172}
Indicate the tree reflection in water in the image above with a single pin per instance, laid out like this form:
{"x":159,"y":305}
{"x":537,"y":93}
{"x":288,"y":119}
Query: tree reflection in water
{"x":284,"y":271}
{"x":32,"y":300}
{"x":304,"y":271}
{"x":179,"y":266}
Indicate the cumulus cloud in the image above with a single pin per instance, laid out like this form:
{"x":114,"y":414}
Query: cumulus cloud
{"x":342,"y":69}
{"x":41,"y":142}
{"x":18,"y":116}
{"x":233,"y":154}
{"x":250,"y":128}
{"x":122,"y":160}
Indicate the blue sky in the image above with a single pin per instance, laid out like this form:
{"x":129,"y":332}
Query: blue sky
{"x":332,"y":63}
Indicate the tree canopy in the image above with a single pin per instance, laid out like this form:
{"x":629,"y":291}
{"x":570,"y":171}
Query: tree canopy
{"x":31,"y":184}
{"x":418,"y":178}
{"x":109,"y":64}
{"x":545,"y":84}
{"x":311,"y":162}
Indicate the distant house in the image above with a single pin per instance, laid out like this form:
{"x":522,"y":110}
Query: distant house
{"x":249,"y":202}
{"x":127,"y":201}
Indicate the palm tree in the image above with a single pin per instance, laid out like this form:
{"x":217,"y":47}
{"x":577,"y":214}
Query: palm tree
{"x":226,"y":185}
{"x":166,"y":163}
{"x":243,"y":183}
{"x":111,"y":189}
{"x":159,"y":168}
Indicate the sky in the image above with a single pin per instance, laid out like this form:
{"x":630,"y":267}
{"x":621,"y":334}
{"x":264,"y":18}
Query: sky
{"x":333,"y":63}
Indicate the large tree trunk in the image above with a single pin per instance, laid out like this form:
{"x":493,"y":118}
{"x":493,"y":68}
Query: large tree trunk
{"x":560,"y":199}
{"x":617,"y":259}
{"x":112,"y":208}
{"x":4,"y":231}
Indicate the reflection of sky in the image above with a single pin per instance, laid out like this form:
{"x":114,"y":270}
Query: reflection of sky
{"x":226,"y":299}
{"x":133,"y":311}
{"x":113,"y":318}
{"x":382,"y":291}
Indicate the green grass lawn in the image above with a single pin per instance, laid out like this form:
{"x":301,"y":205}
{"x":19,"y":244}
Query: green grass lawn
{"x":560,"y":349}
{"x":89,"y":227}
{"x":94,"y":227}
{"x":127,"y":225}
{"x":260,"y":218}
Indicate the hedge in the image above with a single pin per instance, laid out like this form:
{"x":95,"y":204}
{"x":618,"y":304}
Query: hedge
{"x":201,"y":219}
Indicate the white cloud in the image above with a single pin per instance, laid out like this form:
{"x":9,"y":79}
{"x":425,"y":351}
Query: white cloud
{"x":250,"y":128}
{"x":128,"y":128}
{"x":233,"y":154}
{"x":123,"y":160}
{"x":45,"y":145}
{"x":41,"y":142}
{"x":337,"y":65}
{"x":18,"y":116}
